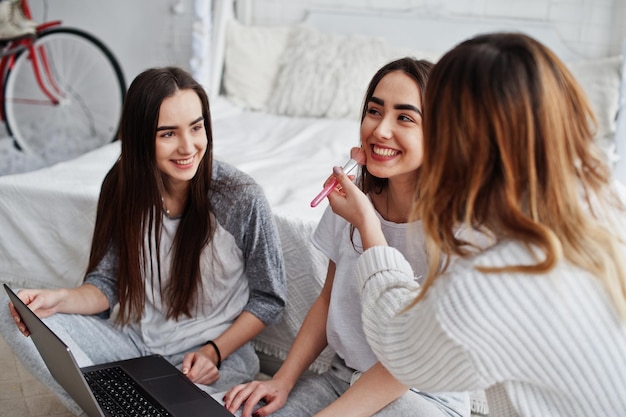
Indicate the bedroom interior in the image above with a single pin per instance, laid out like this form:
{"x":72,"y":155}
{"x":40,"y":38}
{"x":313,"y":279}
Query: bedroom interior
{"x":286,"y":80}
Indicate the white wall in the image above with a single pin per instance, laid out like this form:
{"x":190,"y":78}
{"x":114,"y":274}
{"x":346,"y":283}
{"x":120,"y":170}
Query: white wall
{"x":146,"y":33}
{"x":592,"y":28}
{"x":140,"y":33}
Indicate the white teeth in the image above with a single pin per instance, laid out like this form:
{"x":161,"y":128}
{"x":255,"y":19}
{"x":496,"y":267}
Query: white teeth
{"x":184,"y":161}
{"x":386,"y":152}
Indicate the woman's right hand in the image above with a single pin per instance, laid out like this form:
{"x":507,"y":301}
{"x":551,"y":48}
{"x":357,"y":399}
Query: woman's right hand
{"x":42,"y":302}
{"x":353,"y":205}
{"x":273,"y":392}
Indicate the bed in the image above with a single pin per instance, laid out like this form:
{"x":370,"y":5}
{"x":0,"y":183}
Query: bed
{"x":285,"y":102}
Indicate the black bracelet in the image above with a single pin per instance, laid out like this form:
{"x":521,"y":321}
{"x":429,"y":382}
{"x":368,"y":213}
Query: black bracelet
{"x":219,"y":355}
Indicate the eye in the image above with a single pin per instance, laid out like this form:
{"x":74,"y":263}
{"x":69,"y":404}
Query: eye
{"x":373,"y":111}
{"x":167,"y":134}
{"x":197,"y":127}
{"x":405,"y":118}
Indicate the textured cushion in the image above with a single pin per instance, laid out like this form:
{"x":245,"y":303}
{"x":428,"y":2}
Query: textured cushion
{"x":326,"y":74}
{"x":251,"y":62}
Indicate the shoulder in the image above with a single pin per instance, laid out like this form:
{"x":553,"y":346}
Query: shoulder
{"x":239,"y":203}
{"x":223,"y":172}
{"x":233,"y":186}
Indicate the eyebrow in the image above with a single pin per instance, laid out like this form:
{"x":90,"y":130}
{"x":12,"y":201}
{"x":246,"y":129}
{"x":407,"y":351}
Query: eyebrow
{"x":397,"y":106}
{"x":160,"y":128}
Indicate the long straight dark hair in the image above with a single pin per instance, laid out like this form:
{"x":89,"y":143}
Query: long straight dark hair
{"x":129,"y":210}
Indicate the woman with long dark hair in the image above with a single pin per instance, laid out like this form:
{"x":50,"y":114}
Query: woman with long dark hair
{"x":185,"y":256}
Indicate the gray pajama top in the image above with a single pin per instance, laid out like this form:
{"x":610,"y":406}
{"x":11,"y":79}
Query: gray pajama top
{"x":242,"y":269}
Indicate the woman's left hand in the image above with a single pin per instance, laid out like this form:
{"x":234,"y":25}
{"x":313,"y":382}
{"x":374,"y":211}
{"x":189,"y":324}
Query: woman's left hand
{"x":200,"y":367}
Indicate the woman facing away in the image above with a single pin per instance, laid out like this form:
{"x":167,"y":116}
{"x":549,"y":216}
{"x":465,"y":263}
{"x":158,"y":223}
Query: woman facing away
{"x":539,"y":318}
{"x":356,"y":383}
{"x":184,"y":248}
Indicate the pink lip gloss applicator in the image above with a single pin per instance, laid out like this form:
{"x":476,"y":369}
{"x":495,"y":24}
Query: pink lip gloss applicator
{"x":349,"y":166}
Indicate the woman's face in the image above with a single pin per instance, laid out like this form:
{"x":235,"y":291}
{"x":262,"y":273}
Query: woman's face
{"x":181,"y":139}
{"x":391,"y":132}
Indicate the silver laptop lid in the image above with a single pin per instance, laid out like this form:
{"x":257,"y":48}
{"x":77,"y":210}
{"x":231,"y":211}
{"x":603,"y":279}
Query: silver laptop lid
{"x":57,"y":357}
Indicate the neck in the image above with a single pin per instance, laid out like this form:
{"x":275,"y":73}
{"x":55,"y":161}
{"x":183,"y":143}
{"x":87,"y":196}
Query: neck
{"x":173,"y":201}
{"x":395,"y":202}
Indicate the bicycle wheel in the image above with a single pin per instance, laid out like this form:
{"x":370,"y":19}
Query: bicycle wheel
{"x":91,"y":86}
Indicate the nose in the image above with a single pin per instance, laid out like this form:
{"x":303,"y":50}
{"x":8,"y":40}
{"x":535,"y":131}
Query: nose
{"x":384,"y":130}
{"x":185,"y":144}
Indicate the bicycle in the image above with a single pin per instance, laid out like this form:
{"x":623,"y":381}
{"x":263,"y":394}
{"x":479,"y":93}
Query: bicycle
{"x":60,"y":86}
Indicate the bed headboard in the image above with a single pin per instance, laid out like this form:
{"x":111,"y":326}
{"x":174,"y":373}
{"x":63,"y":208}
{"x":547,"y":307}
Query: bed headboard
{"x":428,"y":29}
{"x":425,"y":32}
{"x":422,"y":29}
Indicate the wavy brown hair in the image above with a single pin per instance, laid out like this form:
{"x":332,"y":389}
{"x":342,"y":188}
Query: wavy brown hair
{"x":130,"y":206}
{"x":509,"y":149}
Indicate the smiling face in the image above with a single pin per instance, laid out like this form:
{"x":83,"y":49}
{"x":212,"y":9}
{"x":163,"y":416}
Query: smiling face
{"x":391,"y":131}
{"x":181,"y":139}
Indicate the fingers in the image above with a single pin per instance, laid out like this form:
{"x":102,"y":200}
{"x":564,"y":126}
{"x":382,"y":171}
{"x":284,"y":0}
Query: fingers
{"x":18,"y":320}
{"x":238,"y":395}
{"x":250,"y":395}
{"x":199,"y":368}
{"x":344,"y":181}
{"x":187,"y":362}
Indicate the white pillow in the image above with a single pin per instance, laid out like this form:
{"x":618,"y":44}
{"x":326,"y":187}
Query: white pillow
{"x":620,"y":130}
{"x":326,"y":74}
{"x":600,"y":78}
{"x":251,"y":62}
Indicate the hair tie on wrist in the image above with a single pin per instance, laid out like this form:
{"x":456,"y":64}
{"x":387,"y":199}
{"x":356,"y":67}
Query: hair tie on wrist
{"x":217,"y":351}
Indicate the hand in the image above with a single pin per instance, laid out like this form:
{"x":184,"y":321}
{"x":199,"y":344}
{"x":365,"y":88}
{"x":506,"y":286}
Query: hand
{"x":274,"y":392}
{"x":43,"y":303}
{"x":349,"y":202}
{"x":200,"y":367}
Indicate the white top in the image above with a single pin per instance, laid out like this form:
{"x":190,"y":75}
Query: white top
{"x":543,"y":345}
{"x":225,"y":293}
{"x":344,"y":328}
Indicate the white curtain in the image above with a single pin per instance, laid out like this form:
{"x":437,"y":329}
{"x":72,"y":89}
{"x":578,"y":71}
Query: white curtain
{"x":202,"y":28}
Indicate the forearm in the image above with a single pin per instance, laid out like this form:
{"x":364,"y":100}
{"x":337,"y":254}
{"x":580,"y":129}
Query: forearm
{"x":244,"y":329}
{"x":85,"y":299}
{"x":309,"y":343}
{"x":370,"y":393}
{"x":372,"y":234}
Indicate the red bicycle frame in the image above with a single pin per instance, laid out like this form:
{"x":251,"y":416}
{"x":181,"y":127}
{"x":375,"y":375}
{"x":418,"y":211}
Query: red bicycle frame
{"x":38,"y":59}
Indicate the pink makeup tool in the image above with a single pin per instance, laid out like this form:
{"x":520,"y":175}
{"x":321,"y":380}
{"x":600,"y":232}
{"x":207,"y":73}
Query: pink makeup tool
{"x":349,"y":166}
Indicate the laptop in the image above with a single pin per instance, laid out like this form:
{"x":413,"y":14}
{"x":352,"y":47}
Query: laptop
{"x":166,"y":391}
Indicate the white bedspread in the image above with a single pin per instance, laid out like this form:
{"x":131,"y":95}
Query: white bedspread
{"x":46,"y":216}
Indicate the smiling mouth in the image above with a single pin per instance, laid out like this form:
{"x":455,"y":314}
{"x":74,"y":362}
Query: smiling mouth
{"x":384,"y":152}
{"x":183,"y":161}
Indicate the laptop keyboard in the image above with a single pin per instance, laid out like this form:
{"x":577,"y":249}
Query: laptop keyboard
{"x":119,"y":395}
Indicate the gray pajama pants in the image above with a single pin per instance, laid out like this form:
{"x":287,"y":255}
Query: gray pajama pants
{"x":313,"y":393}
{"x":93,"y":340}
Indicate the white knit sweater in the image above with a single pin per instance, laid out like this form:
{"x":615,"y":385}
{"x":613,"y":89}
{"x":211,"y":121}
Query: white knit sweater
{"x":542,"y":345}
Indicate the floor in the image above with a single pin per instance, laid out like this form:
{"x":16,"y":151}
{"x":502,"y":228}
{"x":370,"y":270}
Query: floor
{"x":21,"y":395}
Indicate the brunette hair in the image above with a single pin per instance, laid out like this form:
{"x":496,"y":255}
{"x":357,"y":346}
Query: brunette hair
{"x":509,"y":149}
{"x":130,"y":207}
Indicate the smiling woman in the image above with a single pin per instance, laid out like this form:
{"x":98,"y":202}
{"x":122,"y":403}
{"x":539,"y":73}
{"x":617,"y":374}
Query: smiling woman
{"x":181,"y":142}
{"x":356,"y":383}
{"x":195,"y":270}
